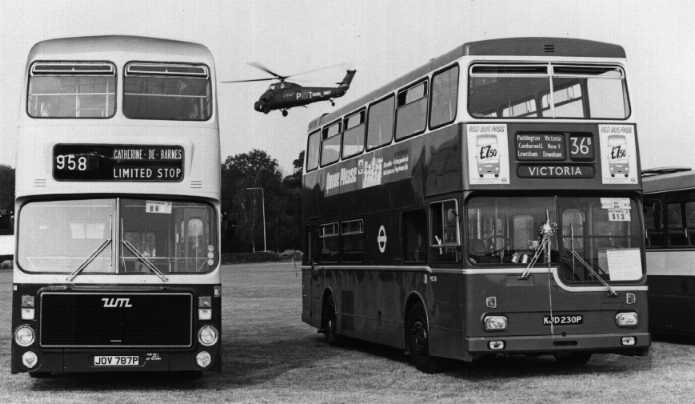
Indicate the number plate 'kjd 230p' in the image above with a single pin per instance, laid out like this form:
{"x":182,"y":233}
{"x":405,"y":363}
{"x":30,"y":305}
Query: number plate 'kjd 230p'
{"x":563,"y":319}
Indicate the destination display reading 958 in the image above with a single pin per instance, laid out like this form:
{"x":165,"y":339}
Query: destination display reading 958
{"x":84,"y":162}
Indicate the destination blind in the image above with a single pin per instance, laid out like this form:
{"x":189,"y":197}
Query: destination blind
{"x":549,"y":155}
{"x":85,"y":162}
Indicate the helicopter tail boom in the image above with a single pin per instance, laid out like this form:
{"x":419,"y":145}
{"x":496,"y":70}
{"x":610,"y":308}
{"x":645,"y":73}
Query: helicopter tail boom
{"x":349,"y":75}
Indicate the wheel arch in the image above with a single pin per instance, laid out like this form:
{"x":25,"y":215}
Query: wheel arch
{"x":414,"y":297}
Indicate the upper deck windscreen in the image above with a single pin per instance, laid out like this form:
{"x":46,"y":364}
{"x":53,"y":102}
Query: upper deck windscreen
{"x":527,"y":91}
{"x":71,"y":90}
{"x":167,"y":91}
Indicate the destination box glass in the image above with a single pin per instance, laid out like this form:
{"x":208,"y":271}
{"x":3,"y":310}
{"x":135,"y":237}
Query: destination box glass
{"x":97,"y":162}
{"x":540,"y":146}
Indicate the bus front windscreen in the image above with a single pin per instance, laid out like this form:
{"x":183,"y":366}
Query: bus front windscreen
{"x":547,"y":91}
{"x":593,"y":236}
{"x":126,"y":236}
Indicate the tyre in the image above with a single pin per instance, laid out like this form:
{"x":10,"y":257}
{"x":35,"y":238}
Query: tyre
{"x":328,"y":321}
{"x":417,"y":340}
{"x":573,"y":358}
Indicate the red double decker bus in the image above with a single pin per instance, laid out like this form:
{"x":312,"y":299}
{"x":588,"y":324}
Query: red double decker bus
{"x":484,"y":203}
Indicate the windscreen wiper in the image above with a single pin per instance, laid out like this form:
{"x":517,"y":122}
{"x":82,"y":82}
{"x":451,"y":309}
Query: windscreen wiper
{"x":95,"y":253}
{"x":592,"y":271}
{"x":144,"y":260}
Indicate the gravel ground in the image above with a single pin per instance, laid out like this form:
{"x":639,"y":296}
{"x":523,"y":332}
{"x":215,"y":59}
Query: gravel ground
{"x":271,"y":356}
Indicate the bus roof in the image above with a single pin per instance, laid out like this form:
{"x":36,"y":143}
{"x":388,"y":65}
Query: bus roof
{"x":107,"y":46}
{"x":531,"y":46}
{"x":677,"y":181}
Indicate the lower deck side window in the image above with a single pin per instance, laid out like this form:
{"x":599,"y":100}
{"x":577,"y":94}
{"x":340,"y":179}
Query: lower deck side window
{"x":329,"y":242}
{"x":352,"y":234}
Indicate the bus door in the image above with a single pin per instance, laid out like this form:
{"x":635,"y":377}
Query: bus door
{"x":315,"y":277}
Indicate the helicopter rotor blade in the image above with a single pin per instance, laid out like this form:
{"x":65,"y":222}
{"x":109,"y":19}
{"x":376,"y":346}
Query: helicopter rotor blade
{"x":265,"y":69}
{"x":316,"y":70}
{"x":248,"y":81}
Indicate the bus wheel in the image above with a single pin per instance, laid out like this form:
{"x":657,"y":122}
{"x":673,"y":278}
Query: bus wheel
{"x":573,"y":358}
{"x":417,"y":340}
{"x":328,"y":322}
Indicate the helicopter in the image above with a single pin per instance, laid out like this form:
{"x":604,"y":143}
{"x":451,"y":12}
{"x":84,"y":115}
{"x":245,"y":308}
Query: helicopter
{"x":284,"y":95}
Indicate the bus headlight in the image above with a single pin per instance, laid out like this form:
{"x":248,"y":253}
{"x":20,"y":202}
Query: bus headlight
{"x":626,"y":319}
{"x":203,"y":359}
{"x":495,"y":323}
{"x":29,"y":359}
{"x":207,"y":335}
{"x":24,"y":335}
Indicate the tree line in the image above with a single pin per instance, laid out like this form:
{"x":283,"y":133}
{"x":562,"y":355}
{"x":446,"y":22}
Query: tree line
{"x":243,"y":177}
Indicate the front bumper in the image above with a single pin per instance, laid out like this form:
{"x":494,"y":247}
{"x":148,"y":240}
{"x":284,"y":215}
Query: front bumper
{"x":57,"y":361}
{"x":606,"y":343}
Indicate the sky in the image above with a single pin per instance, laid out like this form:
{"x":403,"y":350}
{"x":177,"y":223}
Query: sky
{"x":382,"y":39}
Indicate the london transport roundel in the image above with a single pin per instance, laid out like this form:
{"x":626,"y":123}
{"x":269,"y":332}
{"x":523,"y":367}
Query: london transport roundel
{"x":381,"y":239}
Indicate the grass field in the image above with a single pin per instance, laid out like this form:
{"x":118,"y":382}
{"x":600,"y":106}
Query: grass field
{"x":271,"y":356}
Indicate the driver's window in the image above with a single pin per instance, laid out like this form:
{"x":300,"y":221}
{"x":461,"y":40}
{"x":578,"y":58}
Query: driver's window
{"x":444,"y":226}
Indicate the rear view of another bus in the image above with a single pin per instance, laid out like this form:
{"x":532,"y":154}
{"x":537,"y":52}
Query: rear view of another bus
{"x":669,"y":213}
{"x":6,"y":216}
{"x":117,"y":209}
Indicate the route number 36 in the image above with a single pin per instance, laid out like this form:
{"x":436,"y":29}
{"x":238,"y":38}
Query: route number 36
{"x":580,"y":147}
{"x":71,"y":162}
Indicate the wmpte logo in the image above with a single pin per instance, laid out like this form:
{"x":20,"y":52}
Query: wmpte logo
{"x":116,"y":302}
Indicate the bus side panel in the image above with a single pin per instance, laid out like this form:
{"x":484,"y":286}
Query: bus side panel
{"x":370,"y":304}
{"x":446,"y":294}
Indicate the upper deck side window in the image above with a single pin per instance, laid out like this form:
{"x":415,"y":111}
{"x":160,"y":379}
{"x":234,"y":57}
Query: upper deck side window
{"x":167,"y":91}
{"x":71,"y":90}
{"x":380,"y":123}
{"x":547,"y":91}
{"x":445,"y":86}
{"x":312,"y":153}
{"x":411,"y":115}
{"x":330,"y":145}
{"x":353,"y":137}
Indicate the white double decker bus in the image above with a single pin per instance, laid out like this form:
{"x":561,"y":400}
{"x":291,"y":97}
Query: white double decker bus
{"x":117,"y":208}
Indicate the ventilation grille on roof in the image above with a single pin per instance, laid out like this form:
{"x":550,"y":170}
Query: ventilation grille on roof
{"x":72,"y":68}
{"x":166,"y":69}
